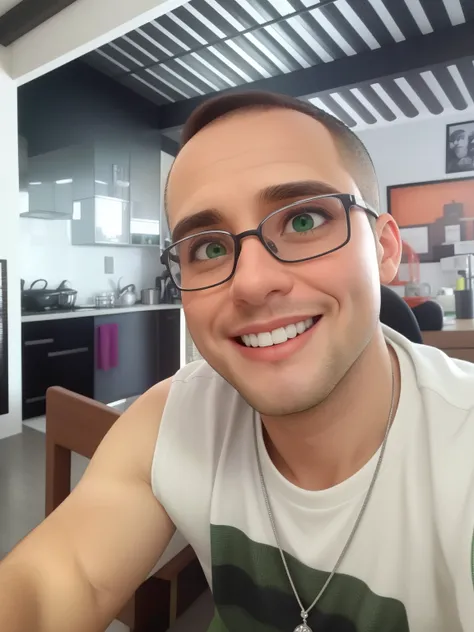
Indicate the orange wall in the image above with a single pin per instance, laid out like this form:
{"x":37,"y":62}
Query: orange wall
{"x":423,"y":204}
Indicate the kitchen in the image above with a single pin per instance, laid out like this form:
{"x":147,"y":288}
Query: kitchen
{"x":99,"y":315}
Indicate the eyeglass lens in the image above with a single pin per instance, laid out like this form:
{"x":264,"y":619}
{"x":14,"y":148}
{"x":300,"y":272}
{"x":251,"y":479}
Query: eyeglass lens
{"x":302,"y":231}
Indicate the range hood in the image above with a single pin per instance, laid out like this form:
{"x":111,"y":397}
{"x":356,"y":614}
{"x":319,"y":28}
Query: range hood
{"x":38,"y":214}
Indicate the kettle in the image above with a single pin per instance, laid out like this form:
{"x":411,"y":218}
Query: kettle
{"x":126,"y":296}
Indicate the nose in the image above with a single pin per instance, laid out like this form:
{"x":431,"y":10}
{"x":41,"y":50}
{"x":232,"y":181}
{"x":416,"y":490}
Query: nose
{"x":259,"y":275}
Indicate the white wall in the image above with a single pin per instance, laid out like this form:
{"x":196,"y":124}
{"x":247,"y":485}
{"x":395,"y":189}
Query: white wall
{"x":414,"y":152}
{"x":9,"y":228}
{"x":46,"y":252}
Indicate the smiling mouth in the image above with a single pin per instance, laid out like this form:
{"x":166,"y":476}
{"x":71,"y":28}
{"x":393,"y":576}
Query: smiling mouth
{"x":277,"y":336}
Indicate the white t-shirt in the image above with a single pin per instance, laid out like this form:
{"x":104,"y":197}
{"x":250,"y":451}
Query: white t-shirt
{"x":410,"y":565}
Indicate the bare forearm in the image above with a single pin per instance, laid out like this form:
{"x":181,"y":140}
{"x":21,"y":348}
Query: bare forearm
{"x":30,"y":603}
{"x":19,"y":607}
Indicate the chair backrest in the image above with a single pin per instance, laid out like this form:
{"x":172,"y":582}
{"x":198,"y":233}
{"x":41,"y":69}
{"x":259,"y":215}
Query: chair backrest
{"x":74,"y":423}
{"x":429,"y":316}
{"x":395,"y":313}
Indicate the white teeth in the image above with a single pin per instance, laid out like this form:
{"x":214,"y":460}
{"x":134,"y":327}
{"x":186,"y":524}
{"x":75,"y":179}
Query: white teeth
{"x":277,"y":336}
{"x":300,"y":327}
{"x":265,"y":339}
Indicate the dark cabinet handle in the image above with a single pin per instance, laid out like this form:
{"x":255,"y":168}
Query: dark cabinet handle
{"x":42,"y":341}
{"x":56,"y":354}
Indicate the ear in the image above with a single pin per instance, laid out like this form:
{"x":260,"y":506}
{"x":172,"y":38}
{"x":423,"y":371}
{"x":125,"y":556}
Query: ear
{"x":389,"y":247}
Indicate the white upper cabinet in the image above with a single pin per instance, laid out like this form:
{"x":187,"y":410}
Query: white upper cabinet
{"x":145,"y":189}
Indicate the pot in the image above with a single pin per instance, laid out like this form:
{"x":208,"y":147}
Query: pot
{"x":150,"y":296}
{"x":43,"y":299}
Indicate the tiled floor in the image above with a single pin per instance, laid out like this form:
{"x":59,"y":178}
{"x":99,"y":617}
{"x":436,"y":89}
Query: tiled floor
{"x":22,"y":466}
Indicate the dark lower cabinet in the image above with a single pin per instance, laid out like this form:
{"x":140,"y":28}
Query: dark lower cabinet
{"x":65,"y":353}
{"x":169,"y":342}
{"x":148,"y":351}
{"x":137,"y":359}
{"x":56,"y":353}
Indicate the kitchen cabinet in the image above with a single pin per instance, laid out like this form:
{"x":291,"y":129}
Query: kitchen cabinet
{"x":145,"y":190}
{"x":166,"y":164}
{"x":100,"y":220}
{"x":104,"y":217}
{"x":55,"y":180}
{"x":112,"y":169}
{"x":148,"y":351}
{"x":56,"y":353}
{"x":112,"y":190}
{"x":169,"y":342}
{"x":138,"y":351}
{"x":65,"y":353}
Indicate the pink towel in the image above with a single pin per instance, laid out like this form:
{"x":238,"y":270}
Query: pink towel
{"x":107,"y":350}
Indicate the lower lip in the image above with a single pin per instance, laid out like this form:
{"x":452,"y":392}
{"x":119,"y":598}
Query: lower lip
{"x":278,"y":352}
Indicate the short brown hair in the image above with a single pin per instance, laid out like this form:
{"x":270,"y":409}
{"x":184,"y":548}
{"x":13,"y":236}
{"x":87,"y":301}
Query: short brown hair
{"x":352,"y":149}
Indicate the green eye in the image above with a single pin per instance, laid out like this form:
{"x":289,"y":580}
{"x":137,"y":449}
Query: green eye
{"x":215,"y":250}
{"x":306,"y":221}
{"x":208,"y":250}
{"x":302,"y":223}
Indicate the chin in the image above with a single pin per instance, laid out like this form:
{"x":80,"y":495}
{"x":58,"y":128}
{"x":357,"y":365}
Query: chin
{"x":276,"y":405}
{"x":282,"y":395}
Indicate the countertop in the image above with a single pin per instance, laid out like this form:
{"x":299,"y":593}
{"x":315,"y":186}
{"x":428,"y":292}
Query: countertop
{"x":458,"y":324}
{"x":93,"y":311}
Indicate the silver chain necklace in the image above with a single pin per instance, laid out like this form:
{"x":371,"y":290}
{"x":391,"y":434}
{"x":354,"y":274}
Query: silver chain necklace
{"x":303,"y":627}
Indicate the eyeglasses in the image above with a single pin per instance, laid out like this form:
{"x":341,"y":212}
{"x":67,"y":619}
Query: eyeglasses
{"x":301,"y":231}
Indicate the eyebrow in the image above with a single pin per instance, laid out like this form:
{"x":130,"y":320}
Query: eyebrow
{"x":210,"y":218}
{"x":192,"y":223}
{"x":300,"y":188}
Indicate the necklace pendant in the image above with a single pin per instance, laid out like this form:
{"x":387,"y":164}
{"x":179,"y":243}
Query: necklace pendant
{"x":303,"y":628}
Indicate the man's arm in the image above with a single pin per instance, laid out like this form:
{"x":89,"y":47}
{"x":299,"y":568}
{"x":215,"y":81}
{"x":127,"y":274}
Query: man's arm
{"x":78,"y":568}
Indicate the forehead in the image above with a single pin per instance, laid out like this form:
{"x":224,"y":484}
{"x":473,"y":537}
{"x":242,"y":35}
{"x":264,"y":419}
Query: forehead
{"x":230,"y":161}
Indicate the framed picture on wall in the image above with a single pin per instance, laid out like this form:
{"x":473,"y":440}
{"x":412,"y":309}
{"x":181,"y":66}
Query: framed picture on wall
{"x":434,"y":217}
{"x":460,"y":147}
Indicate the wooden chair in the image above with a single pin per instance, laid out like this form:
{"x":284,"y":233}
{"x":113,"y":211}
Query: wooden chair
{"x":78,"y":424}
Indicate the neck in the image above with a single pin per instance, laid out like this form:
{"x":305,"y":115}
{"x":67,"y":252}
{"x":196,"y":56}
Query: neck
{"x":321,"y":447}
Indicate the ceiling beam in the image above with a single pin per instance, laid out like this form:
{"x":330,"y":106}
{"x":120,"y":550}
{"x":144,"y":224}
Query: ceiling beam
{"x":78,"y":29}
{"x":413,"y":55}
{"x":26,"y":16}
{"x":169,"y":145}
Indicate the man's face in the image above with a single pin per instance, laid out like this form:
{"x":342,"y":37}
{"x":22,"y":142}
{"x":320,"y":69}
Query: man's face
{"x":459,"y":145}
{"x":226,"y":167}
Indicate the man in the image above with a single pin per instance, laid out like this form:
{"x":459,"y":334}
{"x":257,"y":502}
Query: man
{"x":319,"y":464}
{"x":458,"y":159}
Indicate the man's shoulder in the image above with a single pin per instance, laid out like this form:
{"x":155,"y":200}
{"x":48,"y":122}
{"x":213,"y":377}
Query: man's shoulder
{"x":197,"y":370}
{"x":197,"y":387}
{"x":439,"y":376}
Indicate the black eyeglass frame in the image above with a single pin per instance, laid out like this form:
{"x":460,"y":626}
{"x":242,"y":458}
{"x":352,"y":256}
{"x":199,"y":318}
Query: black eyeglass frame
{"x":348,"y":201}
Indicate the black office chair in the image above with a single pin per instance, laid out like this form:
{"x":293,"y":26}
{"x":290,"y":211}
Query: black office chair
{"x":395,"y":313}
{"x":429,"y":316}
